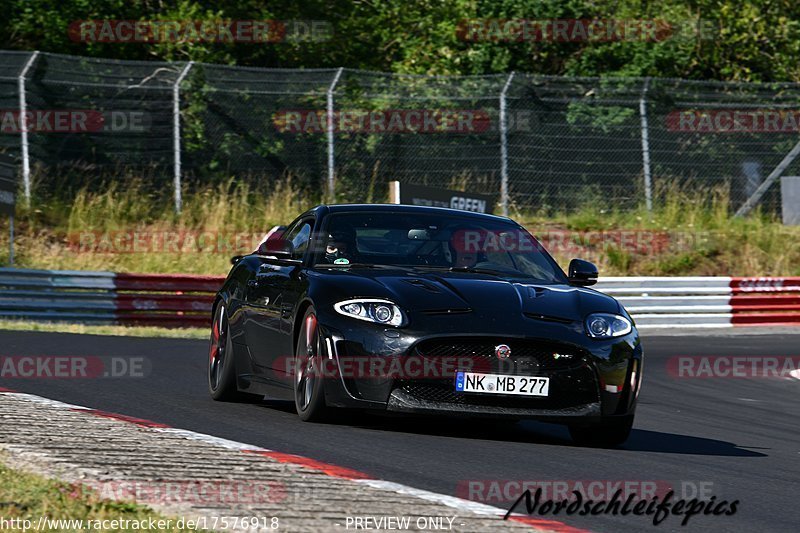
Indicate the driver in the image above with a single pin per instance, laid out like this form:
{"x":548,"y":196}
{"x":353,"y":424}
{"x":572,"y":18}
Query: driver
{"x":465,"y":247}
{"x":341,"y":245}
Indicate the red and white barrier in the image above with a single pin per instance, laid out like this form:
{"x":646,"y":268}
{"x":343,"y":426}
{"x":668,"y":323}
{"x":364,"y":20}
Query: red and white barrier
{"x":169,"y":300}
{"x":707,"y":302}
{"x":173,"y":300}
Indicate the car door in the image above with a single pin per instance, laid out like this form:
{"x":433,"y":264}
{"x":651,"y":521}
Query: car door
{"x":271,"y":298}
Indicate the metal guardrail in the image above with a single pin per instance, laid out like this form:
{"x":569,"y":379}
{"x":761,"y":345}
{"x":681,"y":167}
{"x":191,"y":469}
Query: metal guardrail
{"x":175,"y":300}
{"x":61,"y":295}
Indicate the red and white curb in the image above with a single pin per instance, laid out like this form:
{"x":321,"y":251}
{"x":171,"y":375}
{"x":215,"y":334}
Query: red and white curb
{"x":334,"y":471}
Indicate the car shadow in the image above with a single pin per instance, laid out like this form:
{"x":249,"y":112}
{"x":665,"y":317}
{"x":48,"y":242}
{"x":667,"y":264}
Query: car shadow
{"x":642,"y":440}
{"x":543,"y":433}
{"x":532,"y":432}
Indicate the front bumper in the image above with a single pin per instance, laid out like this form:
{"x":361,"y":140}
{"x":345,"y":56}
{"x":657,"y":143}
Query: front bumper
{"x":401,"y":401}
{"x":596,"y":379}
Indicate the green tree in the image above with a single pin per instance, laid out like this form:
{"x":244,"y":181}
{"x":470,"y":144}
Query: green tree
{"x":753,"y":40}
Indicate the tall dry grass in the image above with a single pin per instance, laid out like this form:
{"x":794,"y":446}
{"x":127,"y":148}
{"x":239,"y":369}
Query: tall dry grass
{"x":703,"y":236}
{"x":216,"y":222}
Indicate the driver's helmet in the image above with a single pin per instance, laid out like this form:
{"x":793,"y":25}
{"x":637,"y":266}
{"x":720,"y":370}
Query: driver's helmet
{"x":341,"y":244}
{"x":466,"y":246}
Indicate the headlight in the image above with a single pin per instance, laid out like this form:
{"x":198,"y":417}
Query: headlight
{"x":377,"y":311}
{"x":606,"y":326}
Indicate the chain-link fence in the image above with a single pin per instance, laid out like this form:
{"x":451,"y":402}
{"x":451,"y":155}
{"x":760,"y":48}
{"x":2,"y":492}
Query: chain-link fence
{"x":534,"y":142}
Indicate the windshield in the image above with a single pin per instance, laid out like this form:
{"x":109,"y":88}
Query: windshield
{"x":436,"y":242}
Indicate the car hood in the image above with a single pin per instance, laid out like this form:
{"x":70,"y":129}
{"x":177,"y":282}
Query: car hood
{"x":436,"y":292}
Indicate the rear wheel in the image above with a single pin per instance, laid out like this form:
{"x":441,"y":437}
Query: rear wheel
{"x":309,"y":396}
{"x":608,"y":434}
{"x":221,"y":371}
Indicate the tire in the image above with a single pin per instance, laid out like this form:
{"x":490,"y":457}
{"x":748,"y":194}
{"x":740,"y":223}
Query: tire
{"x":309,"y":393}
{"x":221,"y":368}
{"x":609,"y":434}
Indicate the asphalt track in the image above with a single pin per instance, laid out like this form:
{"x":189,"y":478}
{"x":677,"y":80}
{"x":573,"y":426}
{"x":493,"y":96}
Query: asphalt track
{"x":738,"y":438}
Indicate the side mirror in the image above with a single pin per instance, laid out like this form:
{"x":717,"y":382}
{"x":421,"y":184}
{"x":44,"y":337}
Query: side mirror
{"x":271,"y":239}
{"x":278,"y":248}
{"x":582,"y":273}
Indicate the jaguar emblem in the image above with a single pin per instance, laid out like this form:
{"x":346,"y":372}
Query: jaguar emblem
{"x":502,"y":351}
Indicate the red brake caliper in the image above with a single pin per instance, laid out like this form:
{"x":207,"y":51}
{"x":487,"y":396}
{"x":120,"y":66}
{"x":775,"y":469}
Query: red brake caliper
{"x":215,"y":343}
{"x":311,"y":329}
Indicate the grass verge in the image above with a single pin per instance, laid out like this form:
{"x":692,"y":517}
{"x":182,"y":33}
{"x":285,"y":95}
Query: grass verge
{"x":686,"y":234}
{"x":134,"y":229}
{"x":117,"y":331}
{"x":25,"y":496}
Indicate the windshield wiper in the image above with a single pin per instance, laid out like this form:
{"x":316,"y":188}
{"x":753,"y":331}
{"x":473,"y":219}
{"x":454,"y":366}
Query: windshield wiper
{"x":479,"y":270}
{"x":348,"y":265}
{"x":475,"y":270}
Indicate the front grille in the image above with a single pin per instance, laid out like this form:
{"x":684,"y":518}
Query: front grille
{"x":573,"y":381}
{"x":528,"y":357}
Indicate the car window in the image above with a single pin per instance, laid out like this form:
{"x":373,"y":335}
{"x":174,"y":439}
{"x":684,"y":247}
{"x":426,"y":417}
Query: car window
{"x":437,"y":240}
{"x":300,"y":236}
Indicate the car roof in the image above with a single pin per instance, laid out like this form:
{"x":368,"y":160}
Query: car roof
{"x":403,"y":208}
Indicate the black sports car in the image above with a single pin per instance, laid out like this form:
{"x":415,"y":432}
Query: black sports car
{"x":424,"y":310}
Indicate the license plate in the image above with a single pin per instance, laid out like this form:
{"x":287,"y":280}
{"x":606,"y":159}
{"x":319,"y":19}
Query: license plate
{"x":502,"y":384}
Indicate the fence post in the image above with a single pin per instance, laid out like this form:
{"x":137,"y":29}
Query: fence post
{"x":648,"y":185}
{"x":176,"y":134}
{"x":11,"y":240}
{"x":751,"y":202}
{"x":504,"y":147}
{"x":329,"y":128}
{"x":23,"y":126}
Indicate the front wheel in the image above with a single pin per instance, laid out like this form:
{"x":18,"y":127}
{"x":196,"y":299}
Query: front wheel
{"x":309,"y":395}
{"x":609,"y":434}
